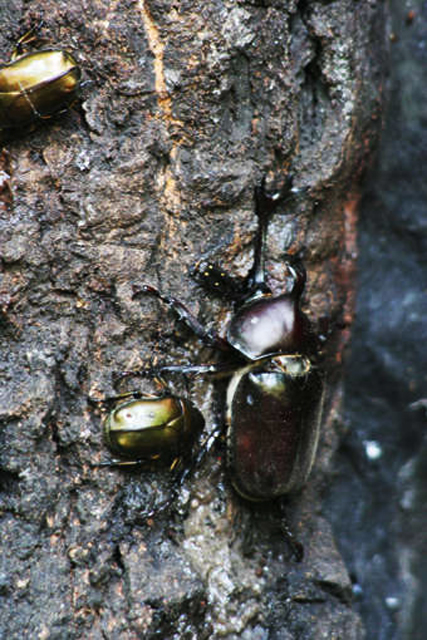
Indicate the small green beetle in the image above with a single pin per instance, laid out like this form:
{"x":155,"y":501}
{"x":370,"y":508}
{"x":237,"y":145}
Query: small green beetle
{"x":36,"y":85}
{"x":151,"y":428}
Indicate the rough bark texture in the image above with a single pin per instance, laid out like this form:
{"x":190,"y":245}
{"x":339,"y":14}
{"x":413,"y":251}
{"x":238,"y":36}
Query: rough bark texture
{"x":188,"y":105}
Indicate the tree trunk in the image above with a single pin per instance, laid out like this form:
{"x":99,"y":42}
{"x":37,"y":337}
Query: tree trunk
{"x":187,"y":105}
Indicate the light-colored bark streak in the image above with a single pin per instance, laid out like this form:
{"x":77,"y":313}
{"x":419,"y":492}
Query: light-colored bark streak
{"x":166,"y":182}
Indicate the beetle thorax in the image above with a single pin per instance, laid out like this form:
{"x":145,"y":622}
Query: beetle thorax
{"x":267,"y":326}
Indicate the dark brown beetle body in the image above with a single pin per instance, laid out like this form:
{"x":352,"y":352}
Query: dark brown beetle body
{"x":37,"y":85}
{"x":273,"y":417}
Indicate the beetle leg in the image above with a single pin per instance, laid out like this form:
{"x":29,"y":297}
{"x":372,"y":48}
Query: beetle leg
{"x":115,"y":462}
{"x":295,"y":545}
{"x":220,"y":370}
{"x":29,"y":36}
{"x":208,"y":336}
{"x":150,"y":372}
{"x":120,"y":396}
{"x":206,"y":446}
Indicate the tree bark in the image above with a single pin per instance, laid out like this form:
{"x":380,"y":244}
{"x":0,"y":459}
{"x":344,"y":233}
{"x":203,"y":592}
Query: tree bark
{"x":186,"y":106}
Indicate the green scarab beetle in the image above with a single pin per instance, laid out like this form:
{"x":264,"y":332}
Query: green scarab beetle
{"x":36,"y":85}
{"x":151,"y":428}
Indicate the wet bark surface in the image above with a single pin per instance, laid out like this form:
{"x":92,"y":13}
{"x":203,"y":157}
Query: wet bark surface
{"x":187,"y":105}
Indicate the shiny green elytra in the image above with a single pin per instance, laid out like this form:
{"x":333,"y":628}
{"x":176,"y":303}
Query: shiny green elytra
{"x":152,"y":428}
{"x":37,"y":85}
